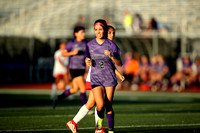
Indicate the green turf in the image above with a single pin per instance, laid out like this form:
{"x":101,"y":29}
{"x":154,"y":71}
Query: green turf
{"x":30,"y":111}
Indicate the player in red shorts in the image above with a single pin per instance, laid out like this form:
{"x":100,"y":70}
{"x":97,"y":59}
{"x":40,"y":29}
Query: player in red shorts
{"x":60,"y":71}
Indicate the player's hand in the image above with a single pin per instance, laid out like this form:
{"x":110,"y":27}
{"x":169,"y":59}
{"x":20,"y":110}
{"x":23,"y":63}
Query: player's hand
{"x":122,"y":78}
{"x":75,"y":52}
{"x":106,"y":52}
{"x":88,"y":62}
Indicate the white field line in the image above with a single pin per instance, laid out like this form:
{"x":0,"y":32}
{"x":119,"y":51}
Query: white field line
{"x":90,"y":128}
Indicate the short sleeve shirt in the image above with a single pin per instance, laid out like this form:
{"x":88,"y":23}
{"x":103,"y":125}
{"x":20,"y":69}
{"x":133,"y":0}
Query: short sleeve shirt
{"x":103,"y":68}
{"x":77,"y":61}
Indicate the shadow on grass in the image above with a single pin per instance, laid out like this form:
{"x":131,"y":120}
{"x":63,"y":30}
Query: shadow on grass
{"x":17,"y":100}
{"x":27,"y":100}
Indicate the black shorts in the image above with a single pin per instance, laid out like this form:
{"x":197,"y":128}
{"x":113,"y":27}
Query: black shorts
{"x":76,"y":72}
{"x":93,"y":86}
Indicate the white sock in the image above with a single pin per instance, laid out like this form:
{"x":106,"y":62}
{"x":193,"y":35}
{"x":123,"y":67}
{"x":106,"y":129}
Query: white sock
{"x":53,"y":91}
{"x":96,"y":116}
{"x":81,"y":114}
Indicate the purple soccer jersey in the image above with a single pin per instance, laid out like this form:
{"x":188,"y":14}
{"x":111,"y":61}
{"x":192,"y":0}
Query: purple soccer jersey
{"x":77,"y":61}
{"x":103,"y":68}
{"x":160,"y":67}
{"x":186,"y":66}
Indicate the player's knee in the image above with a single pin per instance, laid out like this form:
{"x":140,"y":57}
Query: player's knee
{"x":89,"y":105}
{"x":100,"y":107}
{"x":74,"y":90}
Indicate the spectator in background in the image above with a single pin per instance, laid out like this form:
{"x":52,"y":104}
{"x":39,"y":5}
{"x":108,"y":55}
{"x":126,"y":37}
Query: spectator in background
{"x":196,"y":77}
{"x":153,"y":25}
{"x":131,"y":69}
{"x":144,"y":69}
{"x":183,"y":75}
{"x":162,"y":70}
{"x":128,"y":21}
{"x":158,"y":71}
{"x":137,"y":23}
{"x":164,"y":27}
{"x":144,"y":73}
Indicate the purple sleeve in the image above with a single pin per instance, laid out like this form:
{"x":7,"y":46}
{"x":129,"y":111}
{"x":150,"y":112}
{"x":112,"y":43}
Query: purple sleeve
{"x":87,"y":53}
{"x":69,"y":46}
{"x":116,"y":52}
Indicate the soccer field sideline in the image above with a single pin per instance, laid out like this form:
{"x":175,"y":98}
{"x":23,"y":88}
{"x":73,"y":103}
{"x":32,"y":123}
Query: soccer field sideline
{"x":118,"y":93}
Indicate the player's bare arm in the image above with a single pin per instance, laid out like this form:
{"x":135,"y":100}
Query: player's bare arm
{"x":119,"y":75}
{"x":71,"y":53}
{"x":116,"y":61}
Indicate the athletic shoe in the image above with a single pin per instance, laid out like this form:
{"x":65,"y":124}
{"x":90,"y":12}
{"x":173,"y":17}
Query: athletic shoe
{"x":72,"y":126}
{"x":100,"y":131}
{"x":99,"y":123}
{"x":110,"y":131}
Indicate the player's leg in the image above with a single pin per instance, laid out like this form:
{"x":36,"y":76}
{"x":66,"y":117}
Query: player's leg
{"x":98,"y":96}
{"x":67,"y":77}
{"x":85,"y":108}
{"x":95,"y":114}
{"x":66,"y":93}
{"x":81,"y":113}
{"x":109,"y":110}
{"x":70,"y":91}
{"x":81,"y":85}
{"x":53,"y":91}
{"x":55,"y":85}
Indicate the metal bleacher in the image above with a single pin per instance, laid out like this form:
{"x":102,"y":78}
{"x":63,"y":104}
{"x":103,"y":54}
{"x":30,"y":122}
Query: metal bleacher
{"x":55,"y":18}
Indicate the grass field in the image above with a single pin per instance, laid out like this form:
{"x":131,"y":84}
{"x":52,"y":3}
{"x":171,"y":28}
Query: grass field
{"x":25,"y":110}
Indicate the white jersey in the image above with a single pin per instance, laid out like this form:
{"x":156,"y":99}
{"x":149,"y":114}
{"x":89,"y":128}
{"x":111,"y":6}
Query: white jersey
{"x":58,"y":67}
{"x":88,"y":76}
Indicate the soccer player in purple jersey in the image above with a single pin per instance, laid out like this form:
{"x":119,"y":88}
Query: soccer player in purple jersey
{"x":197,"y":74}
{"x":183,"y":74}
{"x":75,"y":49}
{"x":102,"y":52}
{"x":158,"y":71}
{"x":91,"y":101}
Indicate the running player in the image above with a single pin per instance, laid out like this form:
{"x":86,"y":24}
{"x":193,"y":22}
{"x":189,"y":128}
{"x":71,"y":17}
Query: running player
{"x":76,"y":50}
{"x":102,"y":52}
{"x":91,"y":101}
{"x":60,"y":70}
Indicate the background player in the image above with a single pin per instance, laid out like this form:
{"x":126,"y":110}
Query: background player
{"x":60,"y":71}
{"x":76,"y":50}
{"x":184,"y":74}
